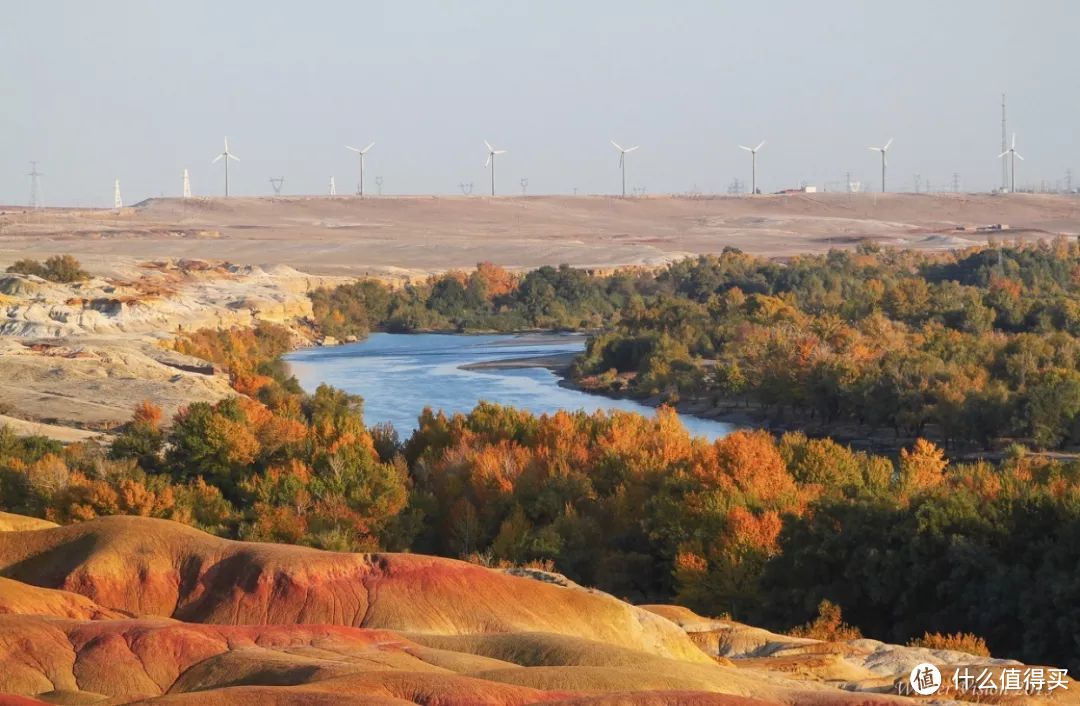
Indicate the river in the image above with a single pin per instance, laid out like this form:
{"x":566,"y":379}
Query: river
{"x":400,"y":374}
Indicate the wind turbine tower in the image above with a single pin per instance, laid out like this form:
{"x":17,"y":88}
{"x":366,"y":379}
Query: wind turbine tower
{"x":753,"y":164}
{"x":1013,"y":155}
{"x":118,"y":203}
{"x":884,"y":161}
{"x":623,"y":151}
{"x":333,"y":189}
{"x":187,"y":185}
{"x":360,"y":188}
{"x":491,"y":162}
{"x":226,"y":155}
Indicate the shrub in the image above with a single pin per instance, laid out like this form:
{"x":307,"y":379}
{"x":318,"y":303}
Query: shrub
{"x":828,"y":626}
{"x":58,"y":268}
{"x":960,"y":641}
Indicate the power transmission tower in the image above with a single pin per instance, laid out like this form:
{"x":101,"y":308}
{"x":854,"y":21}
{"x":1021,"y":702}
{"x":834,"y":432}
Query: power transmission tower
{"x":956,"y":182}
{"x":187,"y":185}
{"x":378,"y":185}
{"x":333,"y":188}
{"x":118,"y":203}
{"x":277,"y":183}
{"x":35,"y":186}
{"x":466,"y":188}
{"x":918,"y":180}
{"x":524,"y":185}
{"x":639,"y":191}
{"x":1004,"y":148}
{"x":1068,"y":181}
{"x":735,"y":187}
{"x":575,"y":191}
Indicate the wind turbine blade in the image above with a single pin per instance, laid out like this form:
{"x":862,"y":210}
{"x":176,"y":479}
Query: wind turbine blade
{"x":1014,"y":141}
{"x":631,"y":149}
{"x":226,"y":144}
{"x":215,"y":160}
{"x":622,"y":157}
{"x":1018,"y":156}
{"x":876,"y":149}
{"x":488,"y":162}
{"x":1003,"y":154}
{"x":744,"y":147}
{"x":617,"y":146}
{"x":370,"y":145}
{"x":884,"y":159}
{"x":498,"y":151}
{"x":350,"y":147}
{"x":887,"y":144}
{"x":233,"y":157}
{"x":488,"y":145}
{"x":760,"y":145}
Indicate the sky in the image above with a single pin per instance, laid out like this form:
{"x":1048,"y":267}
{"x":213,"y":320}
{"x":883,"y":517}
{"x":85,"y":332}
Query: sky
{"x":139,"y":91}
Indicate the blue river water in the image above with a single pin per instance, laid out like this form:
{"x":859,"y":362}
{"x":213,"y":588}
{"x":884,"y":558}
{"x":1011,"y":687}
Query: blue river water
{"x":400,"y":374}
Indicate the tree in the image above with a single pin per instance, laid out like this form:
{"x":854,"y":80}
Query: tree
{"x":141,"y":438}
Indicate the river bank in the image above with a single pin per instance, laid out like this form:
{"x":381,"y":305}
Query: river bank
{"x":399,"y":375}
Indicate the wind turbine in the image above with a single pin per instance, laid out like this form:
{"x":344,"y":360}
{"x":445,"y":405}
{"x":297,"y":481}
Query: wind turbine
{"x":360,"y":189}
{"x":753,"y":162}
{"x":884,"y":161}
{"x":491,"y":162}
{"x":226,"y":155}
{"x":1013,"y":155}
{"x":622,"y":162}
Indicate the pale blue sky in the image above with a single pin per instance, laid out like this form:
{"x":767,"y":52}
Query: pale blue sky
{"x":140,"y":90}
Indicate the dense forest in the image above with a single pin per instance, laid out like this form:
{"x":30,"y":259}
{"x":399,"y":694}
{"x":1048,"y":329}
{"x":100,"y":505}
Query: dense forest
{"x":768,"y":530}
{"x":975,"y":350}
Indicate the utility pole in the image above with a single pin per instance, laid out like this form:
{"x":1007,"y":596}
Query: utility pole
{"x":35,"y":186}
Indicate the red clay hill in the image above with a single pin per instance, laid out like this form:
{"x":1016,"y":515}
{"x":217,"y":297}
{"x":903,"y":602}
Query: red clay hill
{"x":134,"y":610}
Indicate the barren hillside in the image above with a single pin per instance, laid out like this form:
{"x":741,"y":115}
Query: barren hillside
{"x":134,"y":610}
{"x":397,"y":235}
